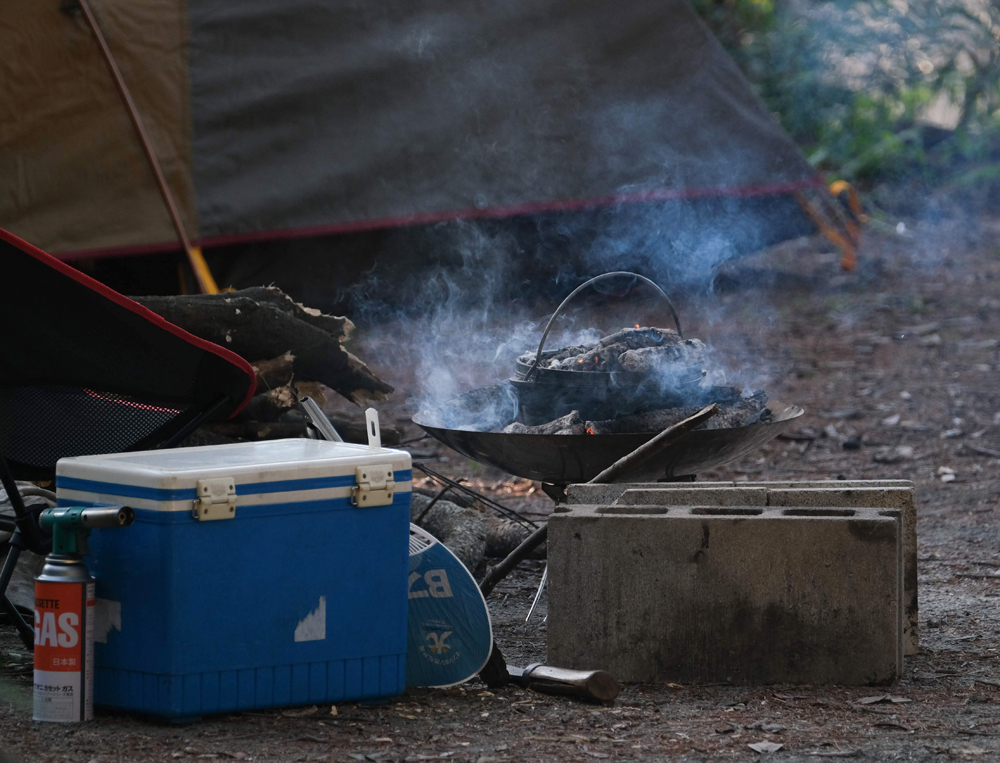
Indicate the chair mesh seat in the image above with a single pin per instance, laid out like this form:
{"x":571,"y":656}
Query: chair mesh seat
{"x":91,"y":371}
{"x":39,"y":425}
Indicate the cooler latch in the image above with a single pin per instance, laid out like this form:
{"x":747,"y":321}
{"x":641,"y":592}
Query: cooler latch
{"x":375,"y":485}
{"x":216,"y":499}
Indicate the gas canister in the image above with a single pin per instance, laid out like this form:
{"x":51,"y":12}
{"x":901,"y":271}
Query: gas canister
{"x":64,"y":641}
{"x":64,"y":614}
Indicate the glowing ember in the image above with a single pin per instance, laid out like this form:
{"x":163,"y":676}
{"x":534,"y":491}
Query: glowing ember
{"x":637,"y":325}
{"x":590,"y":430}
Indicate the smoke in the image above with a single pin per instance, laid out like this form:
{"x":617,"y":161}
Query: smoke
{"x":460,"y":325}
{"x":485,"y":289}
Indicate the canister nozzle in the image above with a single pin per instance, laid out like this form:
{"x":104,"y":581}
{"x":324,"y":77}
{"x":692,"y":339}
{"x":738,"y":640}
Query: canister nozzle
{"x":70,"y":525}
{"x":107,"y":516}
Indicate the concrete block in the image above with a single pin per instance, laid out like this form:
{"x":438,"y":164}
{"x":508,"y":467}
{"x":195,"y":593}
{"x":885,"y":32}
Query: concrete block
{"x":602,"y":495}
{"x":689,"y":496}
{"x":586,"y":493}
{"x":743,"y":594}
{"x":896,"y":496}
{"x":884,"y":494}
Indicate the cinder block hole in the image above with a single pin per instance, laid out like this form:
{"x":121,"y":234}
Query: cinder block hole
{"x":819,"y":513}
{"x":561,"y":510}
{"x":725,"y":511}
{"x":632,"y":510}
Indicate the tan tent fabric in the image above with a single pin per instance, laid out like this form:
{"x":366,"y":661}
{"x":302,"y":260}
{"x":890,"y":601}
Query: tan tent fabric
{"x":72,"y":171}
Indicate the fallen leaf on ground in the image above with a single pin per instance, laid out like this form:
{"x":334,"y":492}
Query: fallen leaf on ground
{"x":298,"y":712}
{"x":873,"y":700}
{"x":893,"y":455}
{"x":930,"y":341}
{"x":967,"y":752}
{"x":763,"y":747}
{"x":883,"y":698}
{"x":770,"y":728}
{"x":832,"y":753}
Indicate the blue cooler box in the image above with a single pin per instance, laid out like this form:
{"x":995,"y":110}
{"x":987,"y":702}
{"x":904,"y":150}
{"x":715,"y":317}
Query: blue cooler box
{"x":256,"y":575}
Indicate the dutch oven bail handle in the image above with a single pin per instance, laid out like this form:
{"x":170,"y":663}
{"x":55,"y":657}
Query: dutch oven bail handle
{"x":591,"y":282}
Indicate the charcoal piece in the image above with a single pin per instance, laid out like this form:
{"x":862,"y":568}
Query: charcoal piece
{"x":600,"y":358}
{"x":606,"y":352}
{"x":565,"y":352}
{"x":636,"y":338}
{"x":552,"y":360}
{"x":646,"y":360}
{"x":571,"y":423}
{"x":743,"y":412}
{"x":647,"y":421}
{"x":718,"y":394}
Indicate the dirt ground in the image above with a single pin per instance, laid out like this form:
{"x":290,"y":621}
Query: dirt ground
{"x":896,"y":365}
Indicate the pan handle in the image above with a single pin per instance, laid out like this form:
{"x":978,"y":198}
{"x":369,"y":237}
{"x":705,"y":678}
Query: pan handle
{"x":581,"y":287}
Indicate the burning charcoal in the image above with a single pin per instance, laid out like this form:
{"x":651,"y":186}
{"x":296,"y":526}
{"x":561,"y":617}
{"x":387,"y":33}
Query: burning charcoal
{"x":552,"y":360}
{"x":647,"y":360}
{"x":568,"y":352}
{"x":636,"y":338}
{"x":599,"y":358}
{"x":648,"y":421}
{"x":571,"y":423}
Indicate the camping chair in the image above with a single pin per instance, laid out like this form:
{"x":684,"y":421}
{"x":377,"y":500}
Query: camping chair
{"x":84,"y":370}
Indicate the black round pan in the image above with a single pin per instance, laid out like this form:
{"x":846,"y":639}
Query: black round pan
{"x":565,"y":459}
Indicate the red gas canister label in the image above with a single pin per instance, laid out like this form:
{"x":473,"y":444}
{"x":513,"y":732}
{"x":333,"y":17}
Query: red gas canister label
{"x":64,"y":651}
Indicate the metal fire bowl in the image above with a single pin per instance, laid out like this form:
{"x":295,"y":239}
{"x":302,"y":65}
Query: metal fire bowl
{"x":565,"y":459}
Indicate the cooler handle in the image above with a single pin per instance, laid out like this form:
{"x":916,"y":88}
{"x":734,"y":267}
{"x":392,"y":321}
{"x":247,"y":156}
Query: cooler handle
{"x":372,"y":427}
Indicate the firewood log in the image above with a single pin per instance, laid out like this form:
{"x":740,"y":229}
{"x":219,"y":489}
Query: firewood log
{"x":276,"y":372}
{"x":263,"y":322}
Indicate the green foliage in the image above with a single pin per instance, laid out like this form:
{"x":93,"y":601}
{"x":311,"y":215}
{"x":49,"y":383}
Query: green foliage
{"x":853,"y":82}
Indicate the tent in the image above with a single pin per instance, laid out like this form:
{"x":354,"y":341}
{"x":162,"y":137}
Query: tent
{"x":283,"y":119}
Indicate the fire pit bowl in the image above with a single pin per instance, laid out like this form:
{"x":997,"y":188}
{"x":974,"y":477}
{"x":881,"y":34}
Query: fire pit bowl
{"x":564,"y":459}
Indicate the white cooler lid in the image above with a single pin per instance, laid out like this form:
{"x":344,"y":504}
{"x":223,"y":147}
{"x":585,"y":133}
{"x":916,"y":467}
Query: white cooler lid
{"x":293,"y":465}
